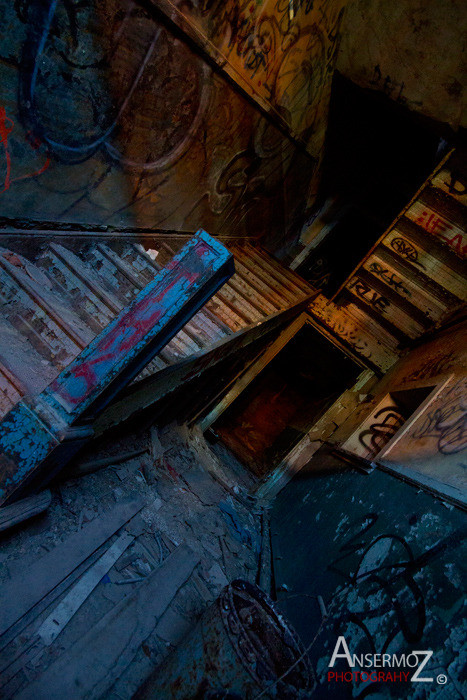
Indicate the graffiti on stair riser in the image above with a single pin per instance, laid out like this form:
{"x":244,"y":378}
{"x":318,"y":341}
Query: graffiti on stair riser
{"x":391,"y":279}
{"x":406,"y":250}
{"x":364,"y":291}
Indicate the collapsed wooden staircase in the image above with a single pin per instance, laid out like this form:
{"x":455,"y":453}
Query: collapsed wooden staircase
{"x":57,"y":295}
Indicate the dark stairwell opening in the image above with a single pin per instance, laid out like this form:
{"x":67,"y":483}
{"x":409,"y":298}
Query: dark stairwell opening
{"x":282,"y":403}
{"x":377,"y":155}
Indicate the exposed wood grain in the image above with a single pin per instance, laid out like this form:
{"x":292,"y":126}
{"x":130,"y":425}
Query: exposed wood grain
{"x":24,"y":509}
{"x":29,"y":586}
{"x":93,"y":664}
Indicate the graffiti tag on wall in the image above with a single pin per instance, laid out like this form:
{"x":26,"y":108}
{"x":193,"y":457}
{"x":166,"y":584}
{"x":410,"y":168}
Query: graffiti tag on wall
{"x":446,"y":422}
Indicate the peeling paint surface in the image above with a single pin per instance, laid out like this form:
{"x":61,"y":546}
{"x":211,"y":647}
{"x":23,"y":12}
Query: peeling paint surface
{"x":387,"y":559}
{"x":24,"y":442}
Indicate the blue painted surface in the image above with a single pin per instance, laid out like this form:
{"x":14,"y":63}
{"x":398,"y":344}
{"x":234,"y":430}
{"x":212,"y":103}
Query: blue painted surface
{"x":124,"y":340}
{"x":111,"y":360}
{"x":24,"y":442}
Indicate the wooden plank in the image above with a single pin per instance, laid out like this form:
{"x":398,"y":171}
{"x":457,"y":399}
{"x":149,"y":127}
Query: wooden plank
{"x":32,"y":584}
{"x":11,"y":388}
{"x":451,"y":184}
{"x":284,"y":296}
{"x":240,"y":304}
{"x":93,"y":664}
{"x":60,"y":616}
{"x":185,"y":345}
{"x":175,"y":350}
{"x":381,"y":303}
{"x":251,"y":295}
{"x":80,"y":469}
{"x":400,"y":336}
{"x":431,"y":245}
{"x":12,"y":378}
{"x":380,"y":265}
{"x":76,"y":266}
{"x":214,"y":323}
{"x":253,"y":371}
{"x":219,"y":309}
{"x":414,"y":254}
{"x":24,"y":509}
{"x":355,"y":330}
{"x":86,"y":304}
{"x":265,"y":290}
{"x":33,"y":614}
{"x":291,"y":279}
{"x":380,"y":335}
{"x":110,"y":276}
{"x":214,"y":328}
{"x":235,"y":308}
{"x":22,"y":366}
{"x":205,"y":332}
{"x":43,"y":336}
{"x":127,"y":271}
{"x":447,"y":206}
{"x":436,"y":224}
{"x":268,"y":268}
{"x":64,"y":318}
{"x":191,"y":337}
{"x":136,"y":255}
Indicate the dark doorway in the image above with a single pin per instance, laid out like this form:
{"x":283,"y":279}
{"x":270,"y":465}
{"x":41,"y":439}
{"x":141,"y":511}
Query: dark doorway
{"x":279,"y":407}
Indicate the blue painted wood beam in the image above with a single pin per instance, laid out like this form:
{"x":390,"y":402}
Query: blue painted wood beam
{"x":40,"y":434}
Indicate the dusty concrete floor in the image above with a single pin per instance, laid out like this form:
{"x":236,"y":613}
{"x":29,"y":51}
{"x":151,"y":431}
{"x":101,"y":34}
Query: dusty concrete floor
{"x":183,"y":502}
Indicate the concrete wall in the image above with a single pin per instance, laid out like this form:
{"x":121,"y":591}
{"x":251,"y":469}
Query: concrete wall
{"x":410,"y":50}
{"x":432,"y":361}
{"x":428,"y":441}
{"x":429,"y":364}
{"x":108,"y":117}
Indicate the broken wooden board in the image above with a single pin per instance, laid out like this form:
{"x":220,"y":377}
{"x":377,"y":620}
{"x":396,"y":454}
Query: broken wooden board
{"x":24,"y":509}
{"x":71,"y":603}
{"x":94,"y":663}
{"x":28,"y":587}
{"x":78,"y":469}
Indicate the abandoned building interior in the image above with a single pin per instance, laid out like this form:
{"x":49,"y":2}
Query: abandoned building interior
{"x":233,"y":391}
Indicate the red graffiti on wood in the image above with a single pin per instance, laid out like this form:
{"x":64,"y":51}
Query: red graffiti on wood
{"x":441,"y":228}
{"x":121,"y":340}
{"x":6,"y":127}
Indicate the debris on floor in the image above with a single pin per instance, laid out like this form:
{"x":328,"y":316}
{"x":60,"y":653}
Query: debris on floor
{"x":112,"y":577}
